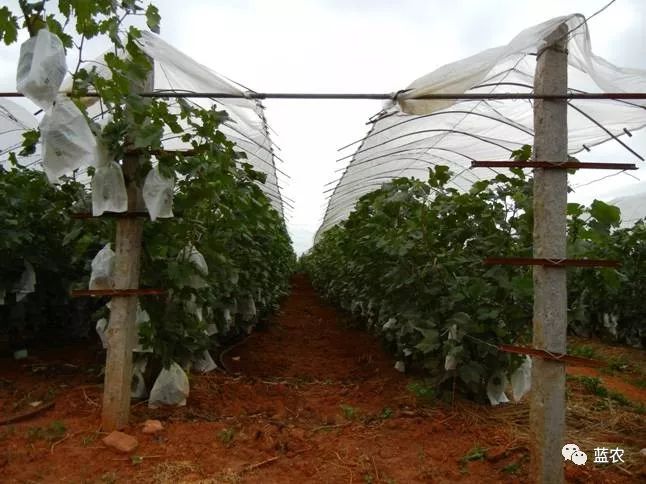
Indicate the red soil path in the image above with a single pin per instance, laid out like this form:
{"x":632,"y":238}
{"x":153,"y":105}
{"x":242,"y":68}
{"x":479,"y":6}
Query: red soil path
{"x":307,"y":400}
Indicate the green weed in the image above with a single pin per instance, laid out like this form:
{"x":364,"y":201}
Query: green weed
{"x":618,"y":363}
{"x":226,"y":436}
{"x":641,"y":382}
{"x":350,"y":412}
{"x":88,"y":439}
{"x":109,"y":478}
{"x":476,"y":453}
{"x":55,"y":431}
{"x":583,"y":351}
{"x":425,"y":393}
{"x":512,"y":468}
{"x":386,"y":413}
{"x":593,"y":385}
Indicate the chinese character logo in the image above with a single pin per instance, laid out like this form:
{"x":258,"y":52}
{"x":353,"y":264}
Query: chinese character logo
{"x":601,"y":455}
{"x":573,"y":453}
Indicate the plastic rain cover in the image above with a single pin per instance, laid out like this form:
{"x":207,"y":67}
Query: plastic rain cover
{"x":412,"y":134}
{"x":247,"y":126}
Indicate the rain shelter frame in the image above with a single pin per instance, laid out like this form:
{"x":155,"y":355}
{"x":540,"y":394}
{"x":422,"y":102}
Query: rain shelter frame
{"x":411,"y":134}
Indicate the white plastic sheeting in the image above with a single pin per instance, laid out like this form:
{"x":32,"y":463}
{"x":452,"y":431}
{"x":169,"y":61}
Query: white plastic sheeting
{"x":14,"y":121}
{"x":409,"y":136}
{"x":174,"y":70}
{"x":632,"y":205}
{"x":248,"y":128}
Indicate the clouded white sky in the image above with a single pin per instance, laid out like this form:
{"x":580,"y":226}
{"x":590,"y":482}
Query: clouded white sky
{"x":364,"y":46}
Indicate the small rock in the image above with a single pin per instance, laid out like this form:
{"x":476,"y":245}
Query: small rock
{"x":235,"y":358}
{"x":152,"y":427}
{"x":643,"y":452}
{"x":121,"y":442}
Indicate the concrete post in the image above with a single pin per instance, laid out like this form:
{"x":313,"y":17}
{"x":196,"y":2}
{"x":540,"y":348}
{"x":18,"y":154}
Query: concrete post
{"x":547,"y":404}
{"x":121,"y":333}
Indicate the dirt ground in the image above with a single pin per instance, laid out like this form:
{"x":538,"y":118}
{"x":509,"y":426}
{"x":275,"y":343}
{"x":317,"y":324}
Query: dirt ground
{"x":308,"y":399}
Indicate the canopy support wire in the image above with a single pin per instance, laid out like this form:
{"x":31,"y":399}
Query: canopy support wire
{"x":607,"y":131}
{"x":616,"y":96}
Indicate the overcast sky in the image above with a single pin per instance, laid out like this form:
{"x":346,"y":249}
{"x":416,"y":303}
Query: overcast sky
{"x":363,"y":46}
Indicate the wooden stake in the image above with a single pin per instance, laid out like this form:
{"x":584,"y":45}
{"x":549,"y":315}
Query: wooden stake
{"x":121,"y":333}
{"x":547,"y":403}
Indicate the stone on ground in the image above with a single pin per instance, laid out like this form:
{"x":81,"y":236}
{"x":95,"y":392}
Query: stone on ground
{"x":121,"y":442}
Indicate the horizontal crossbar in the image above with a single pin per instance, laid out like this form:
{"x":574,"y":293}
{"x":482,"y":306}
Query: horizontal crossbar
{"x":139,"y":151}
{"x":548,"y":355}
{"x":117,"y":292}
{"x":528,"y":261}
{"x":575,"y":165}
{"x":87,"y":215}
{"x":375,"y":96}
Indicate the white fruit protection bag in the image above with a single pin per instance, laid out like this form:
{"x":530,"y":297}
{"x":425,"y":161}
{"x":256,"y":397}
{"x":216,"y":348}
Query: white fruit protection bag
{"x":41,"y":68}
